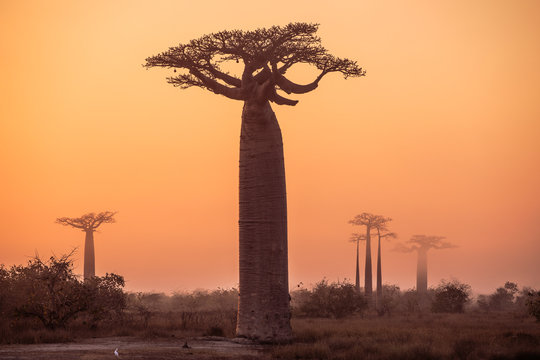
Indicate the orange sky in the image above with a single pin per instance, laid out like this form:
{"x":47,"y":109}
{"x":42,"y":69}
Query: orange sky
{"x":442,"y":135}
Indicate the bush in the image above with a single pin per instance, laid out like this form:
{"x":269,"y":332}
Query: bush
{"x":389,"y":301}
{"x":49,"y":291}
{"x":329,"y":300}
{"x":451,"y":297}
{"x":533,"y":304}
{"x":506,"y":298}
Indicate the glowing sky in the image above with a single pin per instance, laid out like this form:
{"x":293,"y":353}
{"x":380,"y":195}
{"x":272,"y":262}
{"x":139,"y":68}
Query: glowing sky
{"x":442,"y":135}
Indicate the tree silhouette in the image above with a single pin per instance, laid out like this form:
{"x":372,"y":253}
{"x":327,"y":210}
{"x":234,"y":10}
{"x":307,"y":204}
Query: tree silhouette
{"x":370,"y":221}
{"x":88,"y":223}
{"x":266,"y":55}
{"x":356,"y":238}
{"x":381,"y":226}
{"x":421,"y":244}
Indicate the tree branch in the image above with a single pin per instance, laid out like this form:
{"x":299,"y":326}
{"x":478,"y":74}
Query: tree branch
{"x":291,"y":87}
{"x":231,"y":93}
{"x":231,"y":80}
{"x":280,"y":100}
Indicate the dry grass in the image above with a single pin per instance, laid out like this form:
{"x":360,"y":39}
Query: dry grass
{"x":159,"y":325}
{"x":429,"y":336}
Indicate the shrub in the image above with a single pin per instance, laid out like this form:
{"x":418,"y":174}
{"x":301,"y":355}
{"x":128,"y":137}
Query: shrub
{"x":49,"y":291}
{"x":451,"y":297}
{"x":390,"y":299}
{"x":533,"y":304}
{"x":503,"y":298}
{"x":329,"y":300}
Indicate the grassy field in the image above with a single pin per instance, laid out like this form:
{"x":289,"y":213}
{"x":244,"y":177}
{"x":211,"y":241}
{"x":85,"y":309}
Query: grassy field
{"x":420,"y":336}
{"x":473,"y":335}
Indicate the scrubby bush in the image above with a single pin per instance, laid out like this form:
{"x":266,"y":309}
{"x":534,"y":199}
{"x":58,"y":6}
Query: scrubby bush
{"x":503,"y":298}
{"x":389,"y":301}
{"x":451,"y":297}
{"x":506,"y":298}
{"x":105,"y":298}
{"x":326,"y":299}
{"x":533,"y":304}
{"x":49,"y":291}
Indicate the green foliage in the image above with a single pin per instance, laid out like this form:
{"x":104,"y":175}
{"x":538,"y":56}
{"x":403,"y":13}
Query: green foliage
{"x":326,"y":299}
{"x":451,"y":297}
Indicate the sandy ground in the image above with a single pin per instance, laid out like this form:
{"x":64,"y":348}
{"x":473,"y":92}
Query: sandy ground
{"x":133,"y":348}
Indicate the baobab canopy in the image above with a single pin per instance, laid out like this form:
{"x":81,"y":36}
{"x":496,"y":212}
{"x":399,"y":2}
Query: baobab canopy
{"x":88,"y":222}
{"x":267,"y":54}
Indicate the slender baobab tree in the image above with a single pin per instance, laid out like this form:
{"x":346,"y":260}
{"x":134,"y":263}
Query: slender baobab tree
{"x":421,"y":244}
{"x":356,"y":238}
{"x":382,"y":233}
{"x":88,"y":223}
{"x":265,"y":55}
{"x":370,"y":221}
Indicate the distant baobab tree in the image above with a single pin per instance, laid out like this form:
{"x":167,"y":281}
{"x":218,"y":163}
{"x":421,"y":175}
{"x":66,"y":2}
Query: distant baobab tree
{"x":88,"y":223}
{"x":265,"y":55}
{"x":421,"y":244}
{"x":356,"y":238}
{"x":382,"y":233}
{"x":370,"y":221}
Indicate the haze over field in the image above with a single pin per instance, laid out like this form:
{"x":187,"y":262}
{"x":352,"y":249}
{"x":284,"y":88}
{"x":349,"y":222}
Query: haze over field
{"x":441,"y":135}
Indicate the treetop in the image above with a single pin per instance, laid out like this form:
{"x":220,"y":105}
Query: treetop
{"x":267,"y":54}
{"x":88,"y":222}
{"x":424,"y":242}
{"x":371,"y":220}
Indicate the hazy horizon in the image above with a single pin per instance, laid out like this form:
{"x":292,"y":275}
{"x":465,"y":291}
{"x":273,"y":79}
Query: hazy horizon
{"x":442,"y":135}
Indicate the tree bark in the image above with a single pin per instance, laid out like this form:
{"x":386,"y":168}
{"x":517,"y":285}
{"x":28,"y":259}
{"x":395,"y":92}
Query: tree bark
{"x":368,"y":274}
{"x":357,"y":281}
{"x":421,"y":272}
{"x":89,"y":256}
{"x":263,"y":306}
{"x":379,"y":271}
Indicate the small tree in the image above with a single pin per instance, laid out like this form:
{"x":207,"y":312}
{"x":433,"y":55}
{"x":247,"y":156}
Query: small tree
{"x":88,"y":223}
{"x":451,"y":297}
{"x":48,"y":291}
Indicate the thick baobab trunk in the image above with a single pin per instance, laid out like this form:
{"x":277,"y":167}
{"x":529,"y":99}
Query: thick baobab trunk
{"x":421,"y":272}
{"x":357,"y":281}
{"x":368,"y":280}
{"x":263,"y":306}
{"x":89,"y":257}
{"x":379,"y":272}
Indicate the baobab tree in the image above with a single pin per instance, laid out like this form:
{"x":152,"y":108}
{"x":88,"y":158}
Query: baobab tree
{"x":370,"y":221}
{"x":356,"y":238}
{"x":382,"y":233}
{"x":266,"y":55}
{"x":88,"y":223}
{"x":421,"y":244}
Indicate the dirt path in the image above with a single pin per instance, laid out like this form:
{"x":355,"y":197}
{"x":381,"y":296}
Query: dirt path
{"x":132,"y":348}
